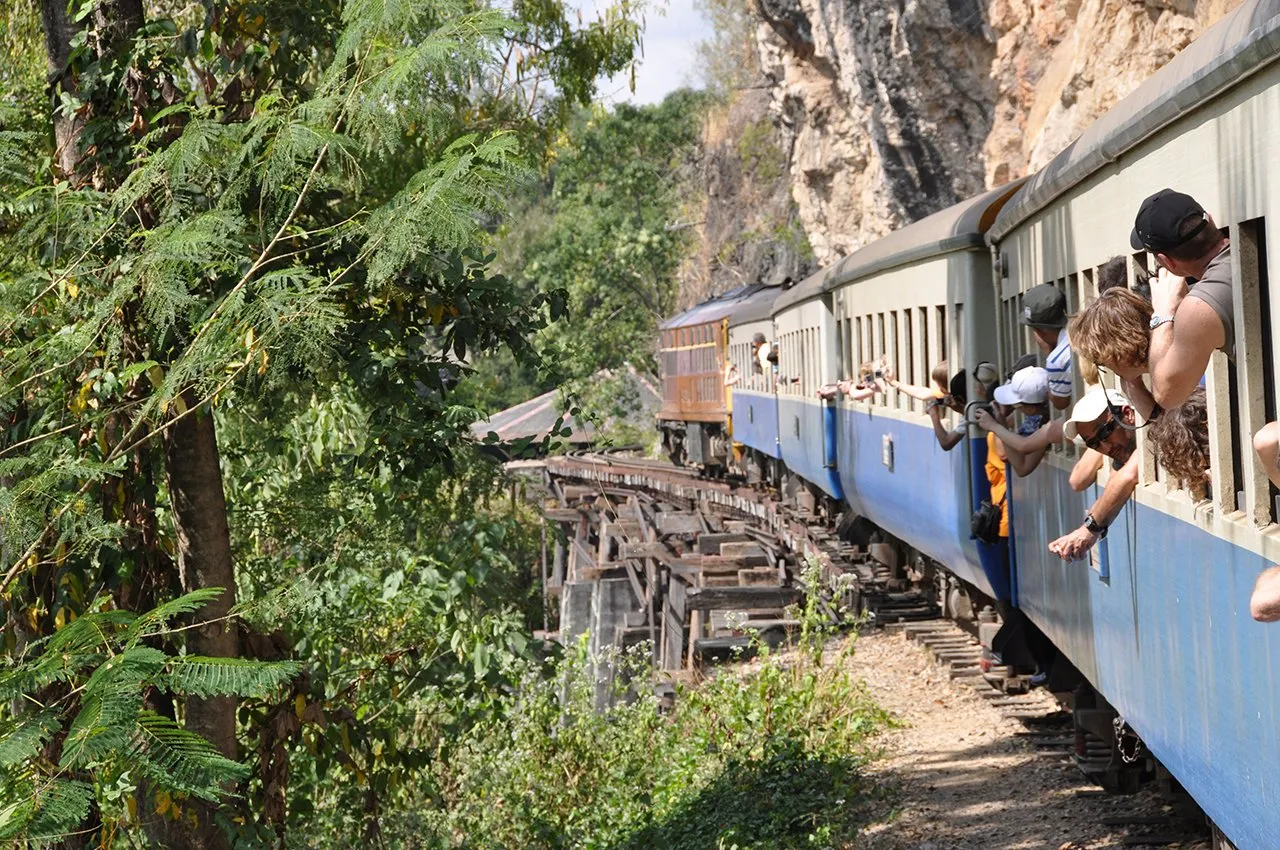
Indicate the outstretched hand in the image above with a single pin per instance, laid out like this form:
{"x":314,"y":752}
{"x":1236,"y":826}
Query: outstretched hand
{"x":1074,"y":546}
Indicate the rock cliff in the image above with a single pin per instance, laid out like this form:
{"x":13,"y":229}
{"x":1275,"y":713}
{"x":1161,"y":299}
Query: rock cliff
{"x":889,"y":110}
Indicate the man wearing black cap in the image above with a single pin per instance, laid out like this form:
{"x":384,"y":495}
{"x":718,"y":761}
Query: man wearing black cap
{"x":1187,"y":324}
{"x":1044,"y":310}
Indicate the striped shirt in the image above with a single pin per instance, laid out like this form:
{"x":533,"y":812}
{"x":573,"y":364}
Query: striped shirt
{"x":1058,"y":365}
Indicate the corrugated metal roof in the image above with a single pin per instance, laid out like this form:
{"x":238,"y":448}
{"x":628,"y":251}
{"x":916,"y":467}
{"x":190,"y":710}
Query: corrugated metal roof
{"x":808,"y":288}
{"x":957,"y":227}
{"x":716,"y":307}
{"x":535,"y":418}
{"x":1243,"y":42}
{"x":756,"y":308}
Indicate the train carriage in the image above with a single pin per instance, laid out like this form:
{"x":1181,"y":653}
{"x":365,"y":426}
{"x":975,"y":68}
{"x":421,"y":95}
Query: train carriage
{"x":753,"y":398}
{"x":693,"y":349}
{"x":1159,"y":621}
{"x":806,"y":361}
{"x":916,"y":296}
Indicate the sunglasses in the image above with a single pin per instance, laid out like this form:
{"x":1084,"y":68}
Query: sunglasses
{"x":1116,"y":413}
{"x":1100,"y":436}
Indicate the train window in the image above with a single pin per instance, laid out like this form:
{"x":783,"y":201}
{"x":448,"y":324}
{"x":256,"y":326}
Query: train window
{"x":839,"y":364}
{"x":868,"y":343}
{"x":844,"y":345}
{"x":944,"y":352}
{"x":894,"y":356}
{"x":923,"y":326}
{"x":909,"y":374}
{"x":1254,"y":394}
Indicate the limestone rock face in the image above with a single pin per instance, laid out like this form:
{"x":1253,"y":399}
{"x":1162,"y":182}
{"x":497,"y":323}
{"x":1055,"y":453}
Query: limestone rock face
{"x":893,"y":109}
{"x":740,"y":200}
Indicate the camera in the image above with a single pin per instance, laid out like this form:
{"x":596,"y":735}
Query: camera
{"x":877,"y":374}
{"x":974,"y":408}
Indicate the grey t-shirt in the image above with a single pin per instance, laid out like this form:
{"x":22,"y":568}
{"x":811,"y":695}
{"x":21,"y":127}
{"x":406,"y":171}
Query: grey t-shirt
{"x":1215,"y":290}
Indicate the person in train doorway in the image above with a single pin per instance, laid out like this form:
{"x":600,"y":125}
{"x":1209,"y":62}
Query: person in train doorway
{"x":1103,"y":421}
{"x":1044,"y":310}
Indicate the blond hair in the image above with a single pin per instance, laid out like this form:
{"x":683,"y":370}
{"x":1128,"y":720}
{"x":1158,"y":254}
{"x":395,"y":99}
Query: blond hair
{"x":1114,"y":330}
{"x":941,"y":374}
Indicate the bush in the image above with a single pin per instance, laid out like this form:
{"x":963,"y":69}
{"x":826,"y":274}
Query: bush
{"x":764,"y":757}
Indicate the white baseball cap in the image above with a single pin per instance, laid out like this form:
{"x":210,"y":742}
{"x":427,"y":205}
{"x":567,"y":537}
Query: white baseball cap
{"x":1027,"y":386}
{"x":1092,"y":406}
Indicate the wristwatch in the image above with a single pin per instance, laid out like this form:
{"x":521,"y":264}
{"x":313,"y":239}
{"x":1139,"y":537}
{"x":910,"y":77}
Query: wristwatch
{"x":1157,"y":320}
{"x":1093,"y":526}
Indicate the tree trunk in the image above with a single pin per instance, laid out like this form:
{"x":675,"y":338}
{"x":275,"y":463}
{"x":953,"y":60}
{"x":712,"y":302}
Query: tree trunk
{"x":58,"y":32}
{"x":204,"y":560}
{"x":115,"y":21}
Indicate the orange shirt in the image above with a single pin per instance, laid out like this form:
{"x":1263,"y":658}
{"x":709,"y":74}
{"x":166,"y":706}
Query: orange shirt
{"x":999,"y":487}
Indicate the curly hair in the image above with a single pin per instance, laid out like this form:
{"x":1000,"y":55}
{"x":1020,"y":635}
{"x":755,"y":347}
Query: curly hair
{"x":1114,"y":330}
{"x":1180,"y":440}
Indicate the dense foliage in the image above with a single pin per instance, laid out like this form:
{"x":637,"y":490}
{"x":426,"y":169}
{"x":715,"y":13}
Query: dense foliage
{"x":608,"y":226}
{"x":258,"y":589}
{"x":769,"y":758}
{"x":243,"y":259}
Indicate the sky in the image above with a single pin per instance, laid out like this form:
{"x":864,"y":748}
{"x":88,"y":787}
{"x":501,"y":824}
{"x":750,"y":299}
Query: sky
{"x":669,"y":57}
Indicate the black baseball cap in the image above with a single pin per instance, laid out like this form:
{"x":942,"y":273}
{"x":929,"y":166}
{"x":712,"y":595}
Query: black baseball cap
{"x":1044,"y":306}
{"x":1155,"y":228}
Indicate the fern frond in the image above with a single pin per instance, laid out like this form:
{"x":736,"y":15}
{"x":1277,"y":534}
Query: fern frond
{"x":196,"y":675}
{"x":111,"y":700}
{"x":25,"y":737}
{"x":56,"y":809}
{"x":153,"y":621}
{"x":182,"y":760}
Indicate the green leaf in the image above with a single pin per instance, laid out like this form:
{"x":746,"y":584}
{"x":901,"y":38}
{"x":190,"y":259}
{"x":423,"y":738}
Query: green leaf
{"x":201,"y":676}
{"x":24,"y":738}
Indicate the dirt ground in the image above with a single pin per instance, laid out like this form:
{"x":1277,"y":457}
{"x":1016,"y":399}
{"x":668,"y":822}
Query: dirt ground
{"x":965,"y":780}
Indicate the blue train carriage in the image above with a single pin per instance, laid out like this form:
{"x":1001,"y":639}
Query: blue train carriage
{"x":753,"y":401}
{"x":693,"y":351}
{"x":807,"y":360}
{"x":1159,"y":620}
{"x":919,"y":295}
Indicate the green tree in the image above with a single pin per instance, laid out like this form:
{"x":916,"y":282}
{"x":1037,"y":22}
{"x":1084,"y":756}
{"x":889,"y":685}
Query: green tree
{"x":608,"y":230}
{"x":245,"y":209}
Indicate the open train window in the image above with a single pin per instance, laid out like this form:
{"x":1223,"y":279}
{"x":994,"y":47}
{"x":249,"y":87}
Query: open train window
{"x":923,"y":326}
{"x":944,"y":352}
{"x":840,"y":370}
{"x":909,"y":344}
{"x":892,"y":354}
{"x":1253,"y":373}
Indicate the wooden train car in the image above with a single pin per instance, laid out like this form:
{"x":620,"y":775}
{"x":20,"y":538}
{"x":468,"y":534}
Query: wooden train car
{"x":693,"y":351}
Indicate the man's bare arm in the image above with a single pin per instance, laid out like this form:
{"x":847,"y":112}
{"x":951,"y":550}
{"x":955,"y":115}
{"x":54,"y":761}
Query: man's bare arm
{"x":1264,"y":605}
{"x":1120,"y":487}
{"x":1118,"y":490}
{"x":1085,"y":472}
{"x":1180,"y":351}
{"x":947,"y":439}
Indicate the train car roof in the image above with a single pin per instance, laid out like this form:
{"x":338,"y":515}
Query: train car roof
{"x":810,"y":287}
{"x":957,"y":227}
{"x":757,"y":307}
{"x":1243,"y":42}
{"x":719,"y":306}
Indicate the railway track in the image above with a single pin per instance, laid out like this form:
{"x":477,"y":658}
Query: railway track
{"x":701,"y":569}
